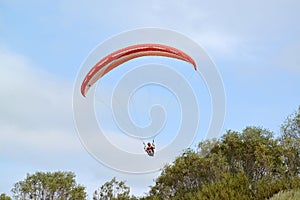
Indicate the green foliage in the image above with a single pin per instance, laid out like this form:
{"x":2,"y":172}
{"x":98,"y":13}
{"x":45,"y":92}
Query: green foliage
{"x":4,"y":197}
{"x":291,"y":142}
{"x":56,"y":185}
{"x":188,"y":172}
{"x":254,"y":150}
{"x":251,"y":164}
{"x":112,"y":190}
{"x":268,"y":186}
{"x":234,"y":187}
{"x":287,"y":195}
{"x":291,"y":126}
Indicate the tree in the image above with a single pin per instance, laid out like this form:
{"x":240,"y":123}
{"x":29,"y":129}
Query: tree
{"x":255,"y":151}
{"x":231,"y":186}
{"x":187,"y":174}
{"x":112,"y":190}
{"x":290,"y":140}
{"x":291,"y":126}
{"x":4,"y":197}
{"x":247,"y":165}
{"x":50,"y":186}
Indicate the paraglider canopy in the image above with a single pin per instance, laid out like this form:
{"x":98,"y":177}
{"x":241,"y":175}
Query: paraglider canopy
{"x":118,"y":57}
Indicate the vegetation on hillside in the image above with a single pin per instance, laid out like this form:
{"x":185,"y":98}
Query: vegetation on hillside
{"x":287,"y":195}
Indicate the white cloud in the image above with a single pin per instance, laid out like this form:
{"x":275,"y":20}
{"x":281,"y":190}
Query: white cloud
{"x":36,"y":123}
{"x":31,"y":96}
{"x":35,"y":107}
{"x":223,"y":28}
{"x":49,"y":142}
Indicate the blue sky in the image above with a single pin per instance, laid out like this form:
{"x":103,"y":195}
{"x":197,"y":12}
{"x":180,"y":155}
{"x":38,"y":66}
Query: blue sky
{"x":254,"y":44}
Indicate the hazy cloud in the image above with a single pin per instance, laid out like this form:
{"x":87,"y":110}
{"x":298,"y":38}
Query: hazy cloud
{"x":35,"y":107}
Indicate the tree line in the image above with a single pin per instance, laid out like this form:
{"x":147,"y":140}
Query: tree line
{"x":251,"y":164}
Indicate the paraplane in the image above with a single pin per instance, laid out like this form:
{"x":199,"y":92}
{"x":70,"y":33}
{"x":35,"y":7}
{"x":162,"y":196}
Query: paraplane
{"x":115,"y":59}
